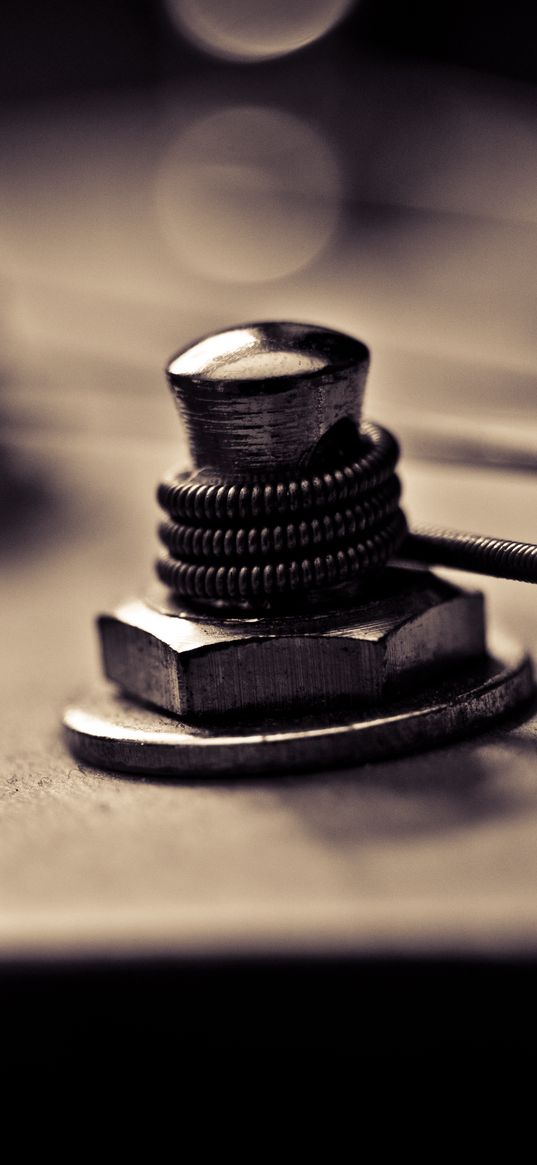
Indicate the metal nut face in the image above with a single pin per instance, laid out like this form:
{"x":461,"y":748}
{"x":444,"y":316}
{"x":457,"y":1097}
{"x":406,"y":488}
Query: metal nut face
{"x":208,"y":667}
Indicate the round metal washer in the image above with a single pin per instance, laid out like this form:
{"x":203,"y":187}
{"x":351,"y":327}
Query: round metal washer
{"x":108,"y":731}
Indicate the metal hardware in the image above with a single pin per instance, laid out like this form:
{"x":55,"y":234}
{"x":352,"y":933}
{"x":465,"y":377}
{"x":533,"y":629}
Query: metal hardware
{"x":497,"y":557}
{"x":111,"y":732}
{"x":289,"y":494}
{"x":278,"y":598}
{"x":359,"y":651}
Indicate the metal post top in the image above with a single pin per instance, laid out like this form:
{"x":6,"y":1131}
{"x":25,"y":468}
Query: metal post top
{"x":260,"y":396}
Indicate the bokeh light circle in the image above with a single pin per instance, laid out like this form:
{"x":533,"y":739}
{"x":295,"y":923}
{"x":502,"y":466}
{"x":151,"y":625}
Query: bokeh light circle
{"x":248,"y":194}
{"x":255,"y":30}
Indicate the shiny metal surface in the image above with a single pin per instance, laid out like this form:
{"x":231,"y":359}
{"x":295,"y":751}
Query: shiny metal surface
{"x":261,"y":396}
{"x":357,"y":650}
{"x":388,"y":662}
{"x":106,"y":730}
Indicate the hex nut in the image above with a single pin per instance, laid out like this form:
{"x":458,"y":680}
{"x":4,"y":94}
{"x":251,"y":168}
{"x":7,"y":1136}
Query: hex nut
{"x":208,"y":666}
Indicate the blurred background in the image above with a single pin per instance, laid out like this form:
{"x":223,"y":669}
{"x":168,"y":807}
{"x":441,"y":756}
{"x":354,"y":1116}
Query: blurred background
{"x":171,"y":167}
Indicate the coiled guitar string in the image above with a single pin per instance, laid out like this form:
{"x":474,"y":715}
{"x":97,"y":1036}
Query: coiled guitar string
{"x":497,"y":557}
{"x":249,"y":543}
{"x":252,"y":542}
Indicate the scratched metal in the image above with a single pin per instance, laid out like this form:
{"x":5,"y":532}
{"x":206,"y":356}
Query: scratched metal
{"x":108,"y":731}
{"x":261,"y":396}
{"x":202,"y":666}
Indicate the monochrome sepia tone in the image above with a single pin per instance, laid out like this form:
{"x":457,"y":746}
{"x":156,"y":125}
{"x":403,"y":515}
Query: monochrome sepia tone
{"x":268,"y":404}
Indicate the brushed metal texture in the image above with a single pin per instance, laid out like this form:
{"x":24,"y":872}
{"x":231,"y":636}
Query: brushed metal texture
{"x":263,"y":395}
{"x":109,"y":731}
{"x":358,"y":650}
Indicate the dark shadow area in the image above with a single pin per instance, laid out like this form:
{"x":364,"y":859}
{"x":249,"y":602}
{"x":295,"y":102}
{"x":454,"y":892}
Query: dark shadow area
{"x":433,"y":792}
{"x":406,"y":799}
{"x":32,"y":509}
{"x":428,"y":793}
{"x":162,"y":1013}
{"x":88,"y":47}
